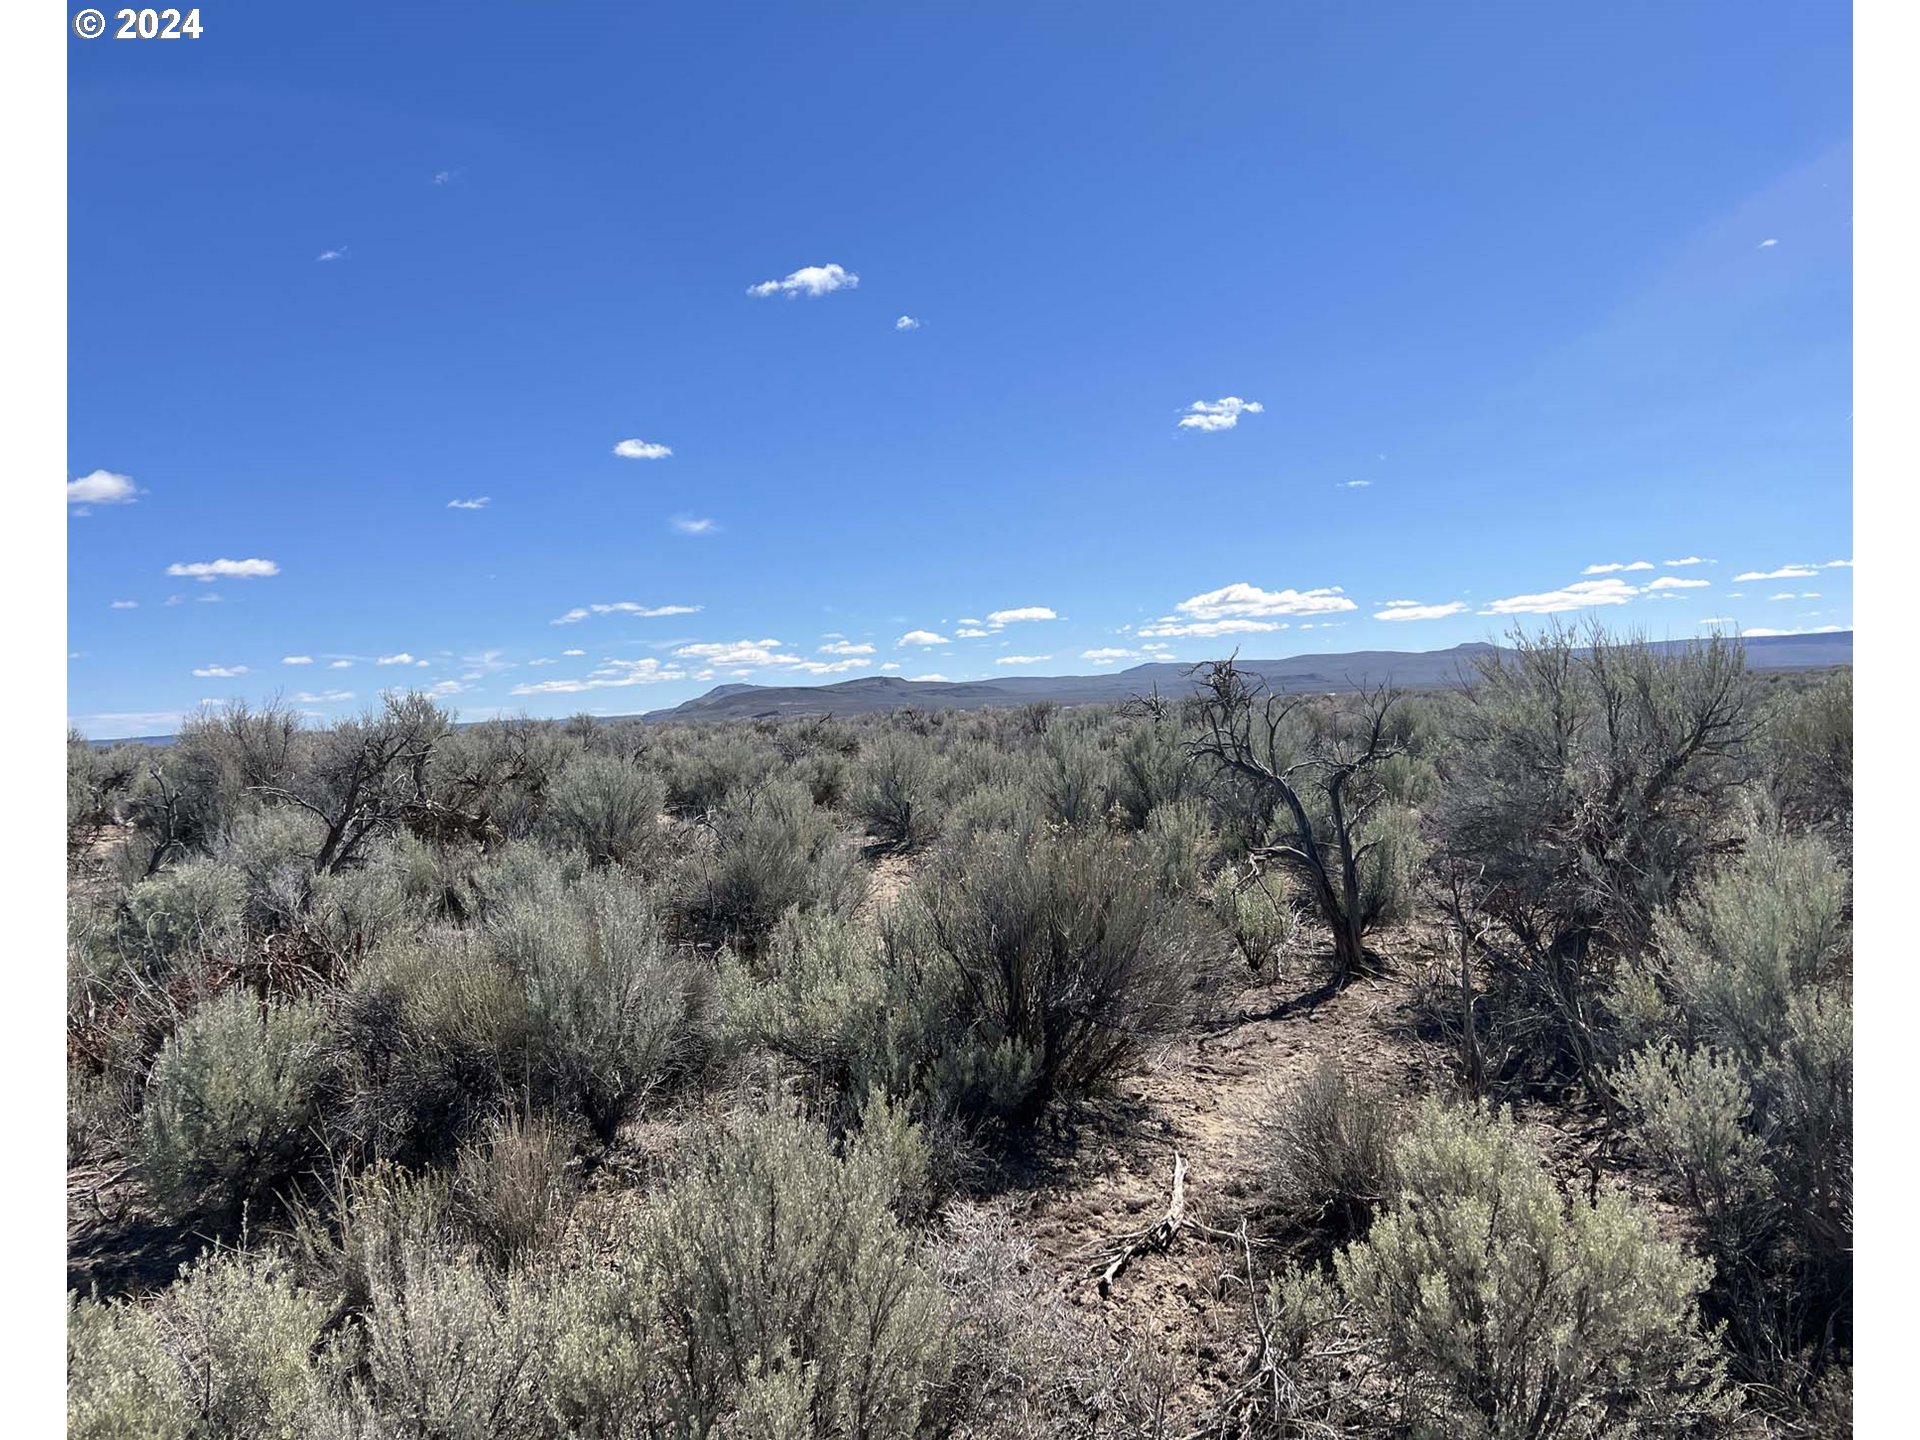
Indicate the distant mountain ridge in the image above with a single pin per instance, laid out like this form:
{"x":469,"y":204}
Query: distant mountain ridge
{"x":1351,"y":670}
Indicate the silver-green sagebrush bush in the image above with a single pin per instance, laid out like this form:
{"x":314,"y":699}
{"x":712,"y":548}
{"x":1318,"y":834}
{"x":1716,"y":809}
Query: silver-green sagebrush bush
{"x":606,"y":807}
{"x":1487,"y":1305}
{"x":772,"y":1276}
{"x":232,"y":1102}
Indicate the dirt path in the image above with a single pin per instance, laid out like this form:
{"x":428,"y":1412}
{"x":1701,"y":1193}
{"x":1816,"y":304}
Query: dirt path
{"x":1208,"y":1096}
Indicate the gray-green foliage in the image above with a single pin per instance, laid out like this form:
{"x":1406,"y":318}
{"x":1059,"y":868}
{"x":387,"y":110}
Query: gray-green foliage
{"x":1498,"y":1308}
{"x":899,"y":790}
{"x":770,"y":1256}
{"x":1054,"y":964}
{"x":1743,"y":1092}
{"x":607,"y":807}
{"x":1330,"y":1156}
{"x":232,"y":1101}
{"x":223,"y":1354}
{"x":612,"y":1007}
{"x":770,"y":849}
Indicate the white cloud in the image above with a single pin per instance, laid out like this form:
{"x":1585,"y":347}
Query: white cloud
{"x":1021,"y":659}
{"x":207,"y":599}
{"x":339,"y":254}
{"x":573,"y":652}
{"x":124,"y":605}
{"x":690,"y":525}
{"x":478,"y":502}
{"x":642,"y":450}
{"x":906,"y":322}
{"x":734,"y":652}
{"x":1206,"y":629}
{"x":972,"y":632}
{"x":808,"y":280}
{"x":921,"y":637}
{"x":220,"y":672}
{"x":102,"y":487}
{"x":934,"y":675}
{"x":1816,"y":630}
{"x":612,"y":676}
{"x":1690,"y":560}
{"x":1241,"y":599}
{"x":210,"y":570}
{"x":296,"y":659}
{"x":403,"y":658}
{"x":1353,"y":485}
{"x":1414,"y":610}
{"x":1107,"y":654}
{"x":1838,"y":565}
{"x":1221,"y":414}
{"x":1785,"y":572}
{"x":1766,"y":244}
{"x":340,"y":665}
{"x":324,"y":697}
{"x":1617,"y":566}
{"x":624,"y":607}
{"x":1674,"y":582}
{"x":1577,"y":596}
{"x":1026,"y":612}
{"x":845,"y":647}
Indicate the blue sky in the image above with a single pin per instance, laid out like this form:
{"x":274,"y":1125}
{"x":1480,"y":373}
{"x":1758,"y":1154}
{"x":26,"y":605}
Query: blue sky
{"x":1519,"y":292}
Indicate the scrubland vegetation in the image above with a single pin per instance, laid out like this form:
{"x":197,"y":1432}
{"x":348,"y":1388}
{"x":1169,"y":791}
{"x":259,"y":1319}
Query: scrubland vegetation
{"x":602,"y":1079}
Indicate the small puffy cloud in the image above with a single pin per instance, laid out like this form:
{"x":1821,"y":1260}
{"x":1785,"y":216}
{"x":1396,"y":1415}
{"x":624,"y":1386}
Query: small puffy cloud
{"x":1689,"y":560}
{"x":1617,"y":566}
{"x":1242,"y":600}
{"x":1414,"y":610}
{"x":744,"y":656}
{"x":220,"y":672}
{"x":573,"y":652}
{"x":1208,"y":629}
{"x":935,"y":675}
{"x":1674,"y":582}
{"x":1838,"y":565}
{"x":694,"y":525}
{"x":1353,"y":485}
{"x":845,"y":647}
{"x":808,"y":280}
{"x":403,"y":658}
{"x":921,"y":637}
{"x":906,"y":322}
{"x":1107,"y":654}
{"x":323,"y":697}
{"x":102,"y":487}
{"x":125,"y":605}
{"x":612,"y":676}
{"x":478,"y":502}
{"x":1221,"y":414}
{"x":207,"y":571}
{"x":1577,"y":596}
{"x":1766,"y":244}
{"x":734,"y":652}
{"x":1026,"y":612}
{"x":340,"y":665}
{"x":972,"y":632}
{"x":642,"y":450}
{"x":326,"y":255}
{"x":296,"y":659}
{"x":1785,"y":572}
{"x":624,"y":607}
{"x":1021,"y":659}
